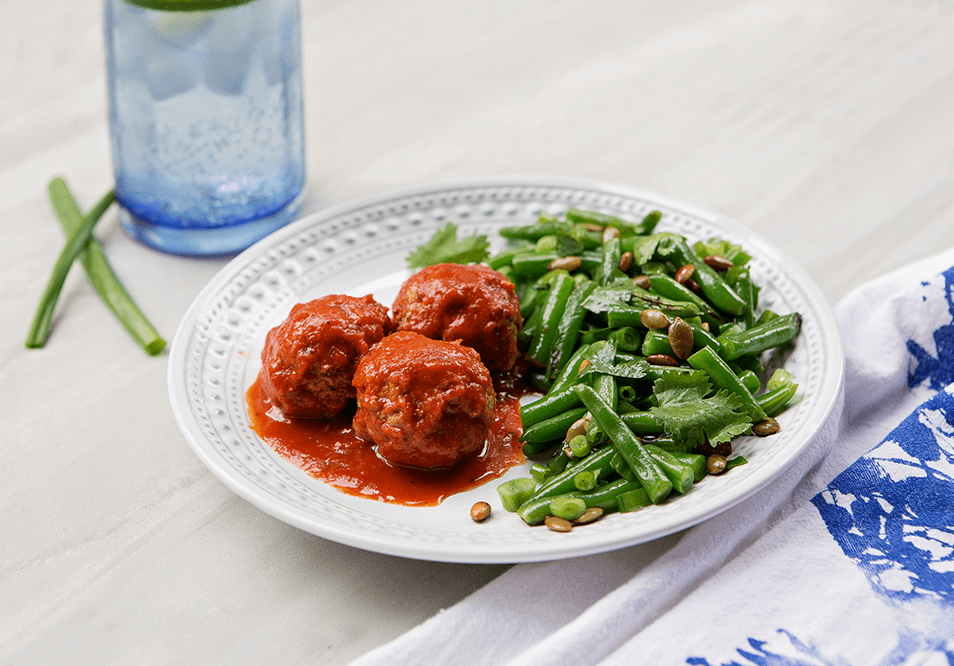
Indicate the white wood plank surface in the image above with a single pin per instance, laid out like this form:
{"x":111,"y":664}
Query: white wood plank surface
{"x":827,"y":127}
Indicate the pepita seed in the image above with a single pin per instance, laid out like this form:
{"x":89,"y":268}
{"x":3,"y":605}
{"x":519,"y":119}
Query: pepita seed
{"x":565,"y":264}
{"x":610,"y":233}
{"x":592,"y":226}
{"x":715,"y":464}
{"x":654,"y":319}
{"x":579,"y":427}
{"x":480,"y":512}
{"x":692,"y":285}
{"x":626,"y":261}
{"x":684,"y":273}
{"x":767,"y":427}
{"x":592,"y":514}
{"x":558,"y":524}
{"x":642,"y":281}
{"x":680,"y":338}
{"x":662,"y":359}
{"x":717,"y":262}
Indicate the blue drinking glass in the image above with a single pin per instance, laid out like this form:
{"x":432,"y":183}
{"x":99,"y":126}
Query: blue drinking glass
{"x":206,"y":120}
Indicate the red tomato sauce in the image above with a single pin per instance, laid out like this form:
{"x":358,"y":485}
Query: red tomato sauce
{"x":330,"y":451}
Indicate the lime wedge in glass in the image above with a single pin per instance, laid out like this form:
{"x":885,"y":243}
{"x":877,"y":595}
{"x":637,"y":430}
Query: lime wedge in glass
{"x":187,"y":5}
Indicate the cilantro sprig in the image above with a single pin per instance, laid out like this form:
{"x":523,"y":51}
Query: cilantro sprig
{"x":692,"y":413}
{"x":445,"y":248}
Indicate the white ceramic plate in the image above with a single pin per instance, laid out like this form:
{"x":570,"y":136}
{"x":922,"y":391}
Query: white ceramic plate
{"x":360,"y":248}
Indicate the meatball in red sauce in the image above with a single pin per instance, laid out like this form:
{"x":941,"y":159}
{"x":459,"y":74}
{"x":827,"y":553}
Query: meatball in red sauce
{"x":473,"y":304}
{"x":309,"y":359}
{"x":425,"y":403}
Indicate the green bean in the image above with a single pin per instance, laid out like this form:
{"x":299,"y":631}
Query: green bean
{"x":626,"y":395}
{"x":531,"y":325}
{"x":539,"y":435}
{"x":719,"y":293}
{"x":579,"y":447}
{"x":101,"y":275}
{"x":605,"y":386}
{"x":749,"y":362}
{"x":532,"y":232}
{"x":584,"y":481}
{"x":652,"y":478}
{"x":553,"y":404}
{"x":515,"y":492}
{"x":642,"y":423}
{"x":564,"y":482}
{"x":559,"y":462}
{"x":609,"y":268}
{"x":655,"y":342}
{"x":766,"y":316}
{"x":568,"y":329}
{"x":667,"y":287}
{"x":570,"y":371}
{"x":548,"y":226}
{"x":75,"y":243}
{"x":528,"y":264}
{"x":644,"y":300}
{"x":595,"y":436}
{"x":703,"y":338}
{"x":723,"y":377}
{"x":776,"y":400}
{"x":760,"y":338}
{"x":625,"y":406}
{"x":625,"y":228}
{"x":540,"y":473}
{"x":680,"y":474}
{"x":546,"y":243}
{"x":632,"y":500}
{"x":502,"y":259}
{"x":535,"y":511}
{"x":568,"y":508}
{"x":746,"y":290}
{"x":626,"y":338}
{"x":620,"y":466}
{"x":592,"y":335}
{"x":750,"y":380}
{"x":528,"y":302}
{"x":553,"y":307}
{"x":696,"y":461}
{"x":618,"y":316}
{"x":654,"y":372}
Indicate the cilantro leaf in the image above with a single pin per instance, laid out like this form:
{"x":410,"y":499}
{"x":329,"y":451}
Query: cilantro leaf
{"x":445,"y":248}
{"x":722,"y":248}
{"x":687,"y":414}
{"x":603,"y":298}
{"x":644,"y":249}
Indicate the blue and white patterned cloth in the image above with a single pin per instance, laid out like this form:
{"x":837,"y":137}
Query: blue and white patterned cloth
{"x":846,"y":560}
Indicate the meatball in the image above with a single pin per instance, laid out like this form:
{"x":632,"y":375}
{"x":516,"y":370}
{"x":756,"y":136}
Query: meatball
{"x":309,"y":359}
{"x":473,"y":304}
{"x":425,"y":403}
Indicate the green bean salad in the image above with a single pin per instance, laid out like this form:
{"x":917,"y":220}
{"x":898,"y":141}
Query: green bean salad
{"x":651,"y":355}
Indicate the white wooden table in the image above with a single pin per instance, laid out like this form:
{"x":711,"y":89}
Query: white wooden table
{"x":826,"y":127}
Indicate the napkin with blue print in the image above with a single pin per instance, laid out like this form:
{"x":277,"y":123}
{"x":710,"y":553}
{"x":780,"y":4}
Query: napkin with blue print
{"x":847,"y":559}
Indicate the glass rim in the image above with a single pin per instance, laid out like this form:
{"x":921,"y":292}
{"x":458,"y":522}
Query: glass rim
{"x":187,"y":5}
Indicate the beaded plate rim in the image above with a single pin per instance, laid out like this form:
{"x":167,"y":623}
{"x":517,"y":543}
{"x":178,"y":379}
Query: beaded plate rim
{"x":213,"y":359}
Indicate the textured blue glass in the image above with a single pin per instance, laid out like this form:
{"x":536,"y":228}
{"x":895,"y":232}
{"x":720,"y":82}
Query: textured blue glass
{"x":206,"y":123}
